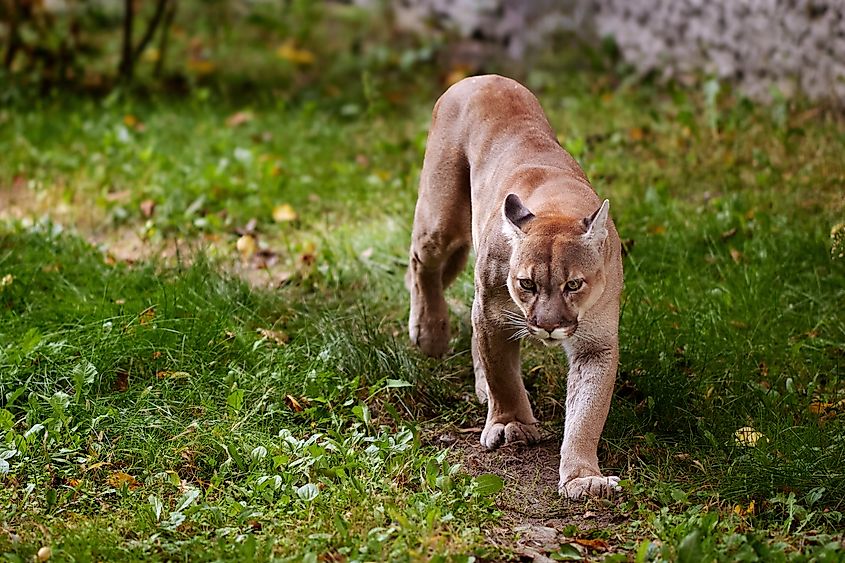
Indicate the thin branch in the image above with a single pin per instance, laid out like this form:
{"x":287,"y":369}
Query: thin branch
{"x":164,"y":39}
{"x":151,"y":28}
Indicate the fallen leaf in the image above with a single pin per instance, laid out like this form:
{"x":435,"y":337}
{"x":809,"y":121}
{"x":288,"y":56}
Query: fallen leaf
{"x":747,"y":436}
{"x":293,"y":403}
{"x":6,"y":280}
{"x":736,"y":255}
{"x":121,"y":196}
{"x":156,"y":355}
{"x":457,"y":74}
{"x":200,"y":66}
{"x":121,"y":382}
{"x":247,"y":246}
{"x":239,"y":118}
{"x":288,"y":51}
{"x":148,"y":207}
{"x":130,"y":120}
{"x":728,"y":234}
{"x":636,"y":134}
{"x":120,"y":478}
{"x":169,"y":374}
{"x":147,"y":315}
{"x":284,"y":213}
{"x":595,"y":545}
{"x":820,"y":408}
{"x":657,"y":229}
{"x":276,"y":336}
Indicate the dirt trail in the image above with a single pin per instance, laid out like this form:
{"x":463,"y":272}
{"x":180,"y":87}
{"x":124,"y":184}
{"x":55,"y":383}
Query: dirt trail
{"x":536,"y":522}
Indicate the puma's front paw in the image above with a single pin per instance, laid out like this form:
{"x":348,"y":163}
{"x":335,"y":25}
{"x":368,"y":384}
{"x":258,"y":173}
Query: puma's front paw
{"x":496,"y":433}
{"x":592,"y":486}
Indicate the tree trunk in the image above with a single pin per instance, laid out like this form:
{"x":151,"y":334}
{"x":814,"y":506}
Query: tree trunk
{"x":126,"y":69}
{"x":14,"y":38}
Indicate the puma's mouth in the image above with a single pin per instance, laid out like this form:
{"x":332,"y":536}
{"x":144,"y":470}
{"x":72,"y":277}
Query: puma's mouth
{"x":555,"y":336}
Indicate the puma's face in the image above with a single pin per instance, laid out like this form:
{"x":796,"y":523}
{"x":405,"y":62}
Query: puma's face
{"x":556,"y":270}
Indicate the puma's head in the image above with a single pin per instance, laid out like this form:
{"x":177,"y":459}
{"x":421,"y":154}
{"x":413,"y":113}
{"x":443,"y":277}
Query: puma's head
{"x":556,"y":269}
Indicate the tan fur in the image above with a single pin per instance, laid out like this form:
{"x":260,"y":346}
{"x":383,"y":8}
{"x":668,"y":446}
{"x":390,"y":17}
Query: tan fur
{"x":489,"y":138}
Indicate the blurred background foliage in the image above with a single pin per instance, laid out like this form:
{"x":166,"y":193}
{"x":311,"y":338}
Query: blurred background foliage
{"x":348,"y":49}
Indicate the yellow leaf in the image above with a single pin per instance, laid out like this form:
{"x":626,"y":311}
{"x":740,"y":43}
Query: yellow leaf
{"x":119,"y":478}
{"x":247,"y":246}
{"x":747,"y":436}
{"x":201,"y":66}
{"x":288,"y":51}
{"x":152,"y":54}
{"x":457,"y":74}
{"x":818,"y":407}
{"x":276,"y":336}
{"x":7,"y":280}
{"x":284,"y":213}
{"x":130,"y":120}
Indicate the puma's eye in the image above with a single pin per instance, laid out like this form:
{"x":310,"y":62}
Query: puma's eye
{"x":527,"y":284}
{"x":574,"y":285}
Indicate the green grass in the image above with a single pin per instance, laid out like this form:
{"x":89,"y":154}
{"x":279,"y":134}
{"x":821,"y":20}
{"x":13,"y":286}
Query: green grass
{"x":144,"y":416}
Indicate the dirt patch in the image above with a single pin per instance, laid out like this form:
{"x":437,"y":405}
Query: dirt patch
{"x":536,"y":522}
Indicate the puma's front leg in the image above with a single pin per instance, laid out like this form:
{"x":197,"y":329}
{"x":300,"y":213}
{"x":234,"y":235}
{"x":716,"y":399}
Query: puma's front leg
{"x":496,"y":357}
{"x":588,"y":392}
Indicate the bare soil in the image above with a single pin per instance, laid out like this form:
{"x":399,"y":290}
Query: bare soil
{"x":536,"y":522}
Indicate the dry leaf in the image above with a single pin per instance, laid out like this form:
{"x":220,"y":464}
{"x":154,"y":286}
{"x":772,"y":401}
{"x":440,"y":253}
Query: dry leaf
{"x":130,"y":120}
{"x":121,"y":382}
{"x":657,"y":229}
{"x":293,"y":403}
{"x":455,"y":75}
{"x":200,"y":66}
{"x":148,"y":207}
{"x":119,"y":478}
{"x":147,"y":315}
{"x":747,"y":436}
{"x":6,"y":280}
{"x":736,"y":255}
{"x":288,"y":51}
{"x":284,"y":213}
{"x":595,"y":545}
{"x":121,"y":196}
{"x":169,"y":374}
{"x":820,"y":408}
{"x":247,"y":246}
{"x":636,"y":134}
{"x":276,"y":336}
{"x":728,"y":234}
{"x":239,"y":118}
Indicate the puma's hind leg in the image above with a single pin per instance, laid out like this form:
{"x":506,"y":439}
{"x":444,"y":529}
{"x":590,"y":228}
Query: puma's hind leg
{"x":440,"y":244}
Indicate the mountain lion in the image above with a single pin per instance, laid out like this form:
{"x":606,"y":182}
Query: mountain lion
{"x":548,"y":265}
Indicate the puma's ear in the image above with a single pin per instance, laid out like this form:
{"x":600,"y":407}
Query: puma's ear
{"x":596,"y":225}
{"x":516,"y":216}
